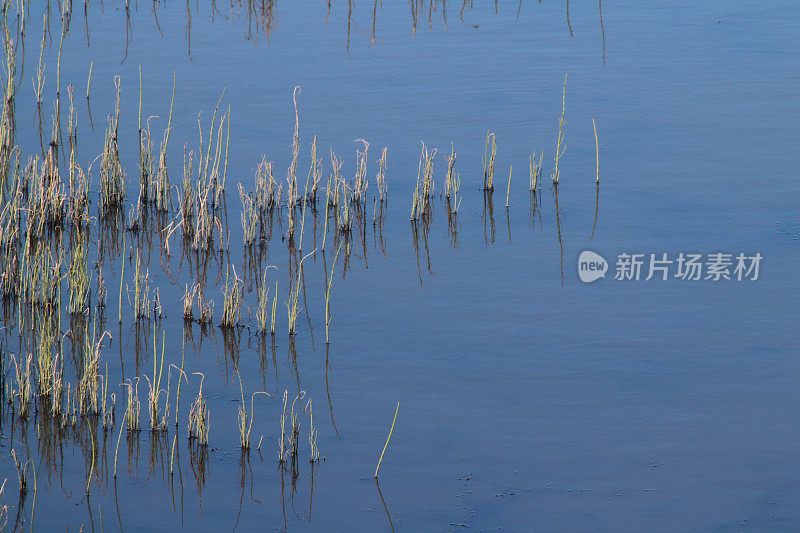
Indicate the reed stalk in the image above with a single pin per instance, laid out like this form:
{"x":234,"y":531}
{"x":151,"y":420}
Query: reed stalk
{"x":328,"y":288}
{"x":391,"y":429}
{"x":199,"y":417}
{"x":560,"y":141}
{"x":508,"y":190}
{"x":490,"y":151}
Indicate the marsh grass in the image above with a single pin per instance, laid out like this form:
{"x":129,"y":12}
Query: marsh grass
{"x":142,"y":304}
{"x":281,"y":448}
{"x":262,"y":313}
{"x":313,"y":456}
{"x":251,"y":218}
{"x":154,"y":386}
{"x":360,"y":181}
{"x":23,"y":395}
{"x":288,"y":446}
{"x":292,"y":306}
{"x":233,"y":293}
{"x":451,"y":183}
{"x":133,"y":407}
{"x":380,"y":178}
{"x":423,"y":191}
{"x":199,"y":417}
{"x":112,"y":175}
{"x":535,"y":171}
{"x":245,"y":426}
{"x":489,"y":153}
{"x":78,"y":274}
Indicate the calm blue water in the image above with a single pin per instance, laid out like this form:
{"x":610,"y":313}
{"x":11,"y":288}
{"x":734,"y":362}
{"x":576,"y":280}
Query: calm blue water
{"x":528,"y":400}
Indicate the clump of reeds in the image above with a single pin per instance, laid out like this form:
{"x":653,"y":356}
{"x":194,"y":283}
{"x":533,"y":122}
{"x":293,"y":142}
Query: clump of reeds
{"x":251,"y":218}
{"x":206,"y":307}
{"x":380,"y":178}
{"x":112,"y":175}
{"x":268,"y":191}
{"x":294,"y":436}
{"x":10,"y":242}
{"x":490,"y":151}
{"x":22,"y":472}
{"x":560,"y":141}
{"x":78,"y":275}
{"x":294,"y":296}
{"x":233,"y":292}
{"x":452,"y":182}
{"x":281,"y":447}
{"x":22,"y":396}
{"x":48,"y":364}
{"x":199,"y":417}
{"x":88,"y":387}
{"x":341,"y":200}
{"x":535,"y":179}
{"x":288,"y":448}
{"x":143,"y":304}
{"x":423,"y":191}
{"x":133,"y":407}
{"x":188,"y":302}
{"x":262,"y":314}
{"x":187,"y":196}
{"x":312,"y":434}
{"x":246,"y":427}
{"x":155,"y":387}
{"x":314,"y":174}
{"x":360,"y":181}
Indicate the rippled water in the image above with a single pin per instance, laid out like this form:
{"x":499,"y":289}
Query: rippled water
{"x":528,"y":399}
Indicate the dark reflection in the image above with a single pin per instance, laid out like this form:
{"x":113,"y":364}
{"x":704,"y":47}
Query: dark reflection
{"x":422,"y":230}
{"x":383,"y":502}
{"x":260,"y":18}
{"x":198,"y":460}
{"x":596,"y":206}
{"x":328,"y":389}
{"x":558,"y":226}
{"x":602,"y":28}
{"x":508,"y":224}
{"x":453,"y":224}
{"x":487,"y":218}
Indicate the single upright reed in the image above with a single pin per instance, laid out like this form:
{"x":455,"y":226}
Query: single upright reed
{"x":488,"y":161}
{"x":559,"y":148}
{"x":508,"y":190}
